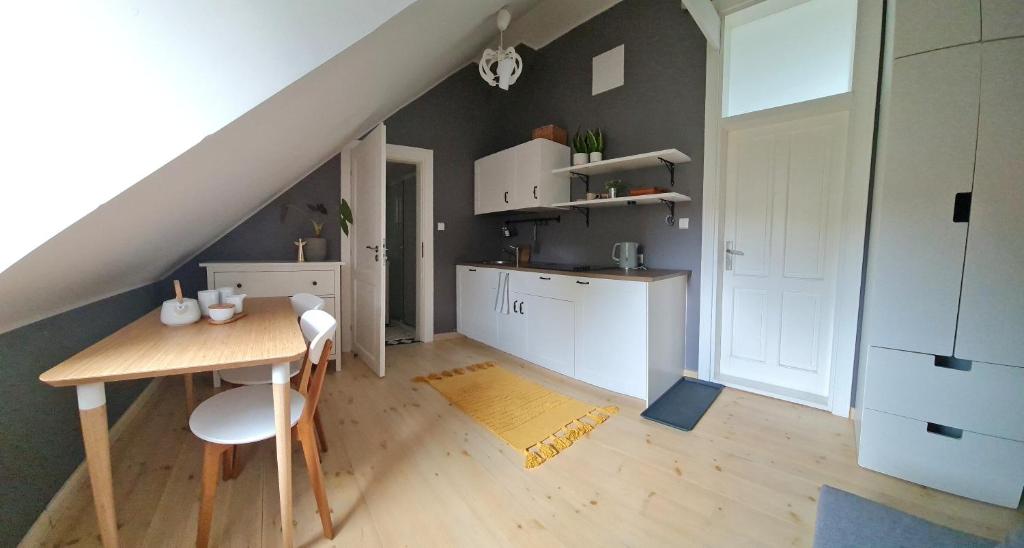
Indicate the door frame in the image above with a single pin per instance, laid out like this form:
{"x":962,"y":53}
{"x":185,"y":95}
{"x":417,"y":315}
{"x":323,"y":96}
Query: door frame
{"x":861,"y":101}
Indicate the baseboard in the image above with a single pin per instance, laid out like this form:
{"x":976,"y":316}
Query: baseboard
{"x":79,"y":479}
{"x":447,"y":336}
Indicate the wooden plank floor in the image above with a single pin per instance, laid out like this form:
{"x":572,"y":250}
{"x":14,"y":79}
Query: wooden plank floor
{"x":406,"y":469}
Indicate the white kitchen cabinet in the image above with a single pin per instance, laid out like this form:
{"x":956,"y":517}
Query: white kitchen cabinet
{"x":1003,"y":19}
{"x":612,"y":342}
{"x":549,"y":333}
{"x":621,"y":335}
{"x":921,"y":25}
{"x":520,"y":177}
{"x":991,"y":318}
{"x":475,"y":301}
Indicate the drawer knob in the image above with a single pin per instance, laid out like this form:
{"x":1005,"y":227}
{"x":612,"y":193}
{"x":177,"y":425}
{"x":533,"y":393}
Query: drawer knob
{"x":314,"y":282}
{"x":238,"y":285}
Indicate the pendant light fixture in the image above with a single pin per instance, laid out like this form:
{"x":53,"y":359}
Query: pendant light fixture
{"x":509,"y":63}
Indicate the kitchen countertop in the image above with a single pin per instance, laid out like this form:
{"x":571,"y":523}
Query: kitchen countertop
{"x":652,"y":275}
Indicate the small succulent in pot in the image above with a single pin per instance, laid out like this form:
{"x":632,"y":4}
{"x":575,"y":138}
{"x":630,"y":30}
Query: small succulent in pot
{"x":595,"y":145}
{"x":580,"y":152}
{"x":616,"y":188}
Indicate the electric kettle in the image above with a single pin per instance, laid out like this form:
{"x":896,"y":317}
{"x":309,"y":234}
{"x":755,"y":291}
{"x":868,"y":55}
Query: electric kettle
{"x":626,"y":255}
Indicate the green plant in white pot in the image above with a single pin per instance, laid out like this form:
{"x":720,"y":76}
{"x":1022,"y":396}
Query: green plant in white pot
{"x":595,"y":145}
{"x":616,"y":188}
{"x":580,"y":152}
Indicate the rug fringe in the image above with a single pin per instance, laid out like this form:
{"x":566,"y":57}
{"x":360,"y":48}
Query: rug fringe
{"x":563,"y":439}
{"x":440,"y":375}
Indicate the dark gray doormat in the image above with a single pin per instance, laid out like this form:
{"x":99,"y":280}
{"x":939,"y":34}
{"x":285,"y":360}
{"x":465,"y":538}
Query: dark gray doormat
{"x":684,"y":404}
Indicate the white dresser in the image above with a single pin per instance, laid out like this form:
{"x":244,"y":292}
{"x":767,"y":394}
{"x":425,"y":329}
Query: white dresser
{"x":282,"y":279}
{"x":941,"y":389}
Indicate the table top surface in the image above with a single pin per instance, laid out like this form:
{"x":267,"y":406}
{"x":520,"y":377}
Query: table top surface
{"x":269,"y":333}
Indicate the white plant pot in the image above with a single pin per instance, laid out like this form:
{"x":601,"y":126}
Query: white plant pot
{"x":595,"y":156}
{"x":579,"y":158}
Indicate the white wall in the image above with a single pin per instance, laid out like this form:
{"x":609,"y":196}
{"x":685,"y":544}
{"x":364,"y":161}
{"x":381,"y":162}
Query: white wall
{"x":98,"y":94}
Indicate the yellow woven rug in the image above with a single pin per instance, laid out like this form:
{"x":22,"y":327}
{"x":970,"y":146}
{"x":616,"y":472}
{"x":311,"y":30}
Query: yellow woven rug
{"x":534,"y":420}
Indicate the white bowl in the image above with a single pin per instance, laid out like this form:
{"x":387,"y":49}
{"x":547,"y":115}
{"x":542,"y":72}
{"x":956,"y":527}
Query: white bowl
{"x":222,"y":312}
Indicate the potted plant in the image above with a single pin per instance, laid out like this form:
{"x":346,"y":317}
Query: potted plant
{"x":315,"y":247}
{"x":595,"y":145}
{"x":344,"y":216}
{"x":616,"y":188}
{"x":580,"y":153}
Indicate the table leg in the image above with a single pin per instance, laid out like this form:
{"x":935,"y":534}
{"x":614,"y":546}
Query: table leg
{"x":190,"y":396}
{"x":283,"y":424}
{"x":92,"y":410}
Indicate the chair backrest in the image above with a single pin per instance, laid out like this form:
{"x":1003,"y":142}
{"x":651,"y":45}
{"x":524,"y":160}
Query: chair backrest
{"x":304,"y":302}
{"x":318,"y":327}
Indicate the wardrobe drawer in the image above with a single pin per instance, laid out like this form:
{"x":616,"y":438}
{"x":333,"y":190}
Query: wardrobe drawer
{"x":981,"y":397}
{"x":277,"y":284}
{"x":973,"y":465}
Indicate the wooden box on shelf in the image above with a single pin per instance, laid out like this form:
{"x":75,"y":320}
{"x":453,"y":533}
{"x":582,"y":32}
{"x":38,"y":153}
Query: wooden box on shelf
{"x":552,"y":133}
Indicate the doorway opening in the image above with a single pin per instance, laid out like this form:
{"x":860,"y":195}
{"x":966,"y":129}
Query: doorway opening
{"x":400,"y":255}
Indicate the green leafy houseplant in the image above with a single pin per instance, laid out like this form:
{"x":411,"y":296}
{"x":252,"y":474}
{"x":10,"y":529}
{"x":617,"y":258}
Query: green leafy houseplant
{"x":344,"y":216}
{"x":595,"y":141}
{"x":616,"y":188}
{"x":579,"y":143}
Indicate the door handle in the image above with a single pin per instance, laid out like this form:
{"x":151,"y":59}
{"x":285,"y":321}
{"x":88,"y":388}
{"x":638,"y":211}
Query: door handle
{"x":375,"y":248}
{"x":729,"y":254}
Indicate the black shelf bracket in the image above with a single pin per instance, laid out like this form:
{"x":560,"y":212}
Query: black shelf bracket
{"x":583,"y":177}
{"x":671,"y":218}
{"x":671,"y":167}
{"x":585,"y":211}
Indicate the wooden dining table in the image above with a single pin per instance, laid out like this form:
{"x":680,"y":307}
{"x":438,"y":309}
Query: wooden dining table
{"x":268,"y":335}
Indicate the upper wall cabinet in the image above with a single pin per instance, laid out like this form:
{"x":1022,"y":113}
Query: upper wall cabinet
{"x":520,"y":177}
{"x":925,"y":25}
{"x":1002,"y":19}
{"x":991,"y":317}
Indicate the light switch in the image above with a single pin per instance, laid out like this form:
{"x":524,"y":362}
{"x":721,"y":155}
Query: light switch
{"x":440,"y":227}
{"x":684,"y":223}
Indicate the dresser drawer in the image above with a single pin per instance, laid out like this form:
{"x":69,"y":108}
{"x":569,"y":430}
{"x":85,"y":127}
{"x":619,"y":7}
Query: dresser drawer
{"x":974,"y":465}
{"x":986,"y":398}
{"x":277,"y":284}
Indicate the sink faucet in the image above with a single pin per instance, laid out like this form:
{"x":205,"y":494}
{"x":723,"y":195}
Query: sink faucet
{"x":514,"y":250}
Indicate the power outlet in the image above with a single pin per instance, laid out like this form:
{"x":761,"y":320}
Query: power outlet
{"x":684,"y":223}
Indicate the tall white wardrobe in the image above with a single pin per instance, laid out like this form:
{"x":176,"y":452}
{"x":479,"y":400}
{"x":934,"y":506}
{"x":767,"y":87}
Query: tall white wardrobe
{"x":940,"y":397}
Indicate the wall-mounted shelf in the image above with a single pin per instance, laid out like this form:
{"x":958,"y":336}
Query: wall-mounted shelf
{"x":669,"y":199}
{"x":667,"y":158}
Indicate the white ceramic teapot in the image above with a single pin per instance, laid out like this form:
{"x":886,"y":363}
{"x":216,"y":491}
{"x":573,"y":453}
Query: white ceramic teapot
{"x":179,"y":311}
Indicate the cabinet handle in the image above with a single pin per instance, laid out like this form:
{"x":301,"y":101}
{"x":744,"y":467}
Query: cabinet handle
{"x":506,"y":196}
{"x":962,"y":207}
{"x":945,"y":431}
{"x":534,"y":192}
{"x":522,"y":307}
{"x":472,"y":270}
{"x":544,"y":278}
{"x":239,"y":286}
{"x":515,"y":306}
{"x":582,"y":283}
{"x":314,"y":282}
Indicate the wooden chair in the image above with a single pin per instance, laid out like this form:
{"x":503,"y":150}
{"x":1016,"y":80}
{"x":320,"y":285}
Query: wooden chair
{"x":260,"y":374}
{"x":246,"y":415}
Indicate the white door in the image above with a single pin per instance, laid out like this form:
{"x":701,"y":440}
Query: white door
{"x":782,"y":220}
{"x":368,"y":160}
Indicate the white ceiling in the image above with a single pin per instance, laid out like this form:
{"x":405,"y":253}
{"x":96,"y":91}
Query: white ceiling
{"x":144,"y":232}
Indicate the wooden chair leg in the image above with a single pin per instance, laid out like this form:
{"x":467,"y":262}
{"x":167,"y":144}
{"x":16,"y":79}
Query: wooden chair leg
{"x":190,"y":396}
{"x":230,"y":463}
{"x":316,"y":477}
{"x":320,"y":437}
{"x":211,"y":469}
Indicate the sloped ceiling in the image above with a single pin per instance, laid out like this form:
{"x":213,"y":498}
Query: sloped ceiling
{"x":150,"y":228}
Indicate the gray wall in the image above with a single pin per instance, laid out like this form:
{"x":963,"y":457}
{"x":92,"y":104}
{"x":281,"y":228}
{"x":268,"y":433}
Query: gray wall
{"x":39,"y":427}
{"x":263,"y":237}
{"x":660,"y":106}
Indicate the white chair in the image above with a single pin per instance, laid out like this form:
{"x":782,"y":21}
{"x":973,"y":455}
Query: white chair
{"x":301,"y":303}
{"x":246,"y":415}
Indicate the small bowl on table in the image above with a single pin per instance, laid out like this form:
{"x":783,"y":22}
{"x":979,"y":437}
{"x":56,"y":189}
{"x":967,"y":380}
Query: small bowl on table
{"x":222,"y":312}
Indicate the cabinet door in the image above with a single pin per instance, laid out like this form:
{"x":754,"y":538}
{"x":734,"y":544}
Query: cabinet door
{"x":476,"y":290}
{"x":611,"y":341}
{"x":512,"y":325}
{"x":922,"y":25}
{"x":991,"y":319}
{"x":926,"y":156}
{"x":493,"y":177}
{"x":535,"y":185}
{"x":550,"y":333}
